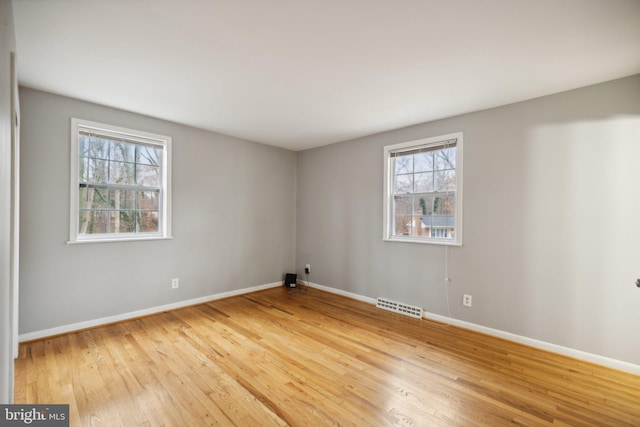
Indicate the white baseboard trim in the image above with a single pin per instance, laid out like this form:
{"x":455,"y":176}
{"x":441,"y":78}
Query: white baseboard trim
{"x":543,"y":345}
{"x":553,"y":348}
{"x":64,"y":329}
{"x":343,"y":293}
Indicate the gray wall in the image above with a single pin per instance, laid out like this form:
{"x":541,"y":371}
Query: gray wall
{"x":7,"y":45}
{"x":551,"y":221}
{"x":233,"y":221}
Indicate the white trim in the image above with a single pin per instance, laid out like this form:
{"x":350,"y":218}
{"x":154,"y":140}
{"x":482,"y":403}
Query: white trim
{"x":553,"y":348}
{"x":15,"y":206}
{"x":388,"y":186}
{"x":158,"y":140}
{"x":343,"y":293}
{"x":543,"y":345}
{"x":119,"y":131}
{"x":124,"y":239}
{"x":421,"y":241}
{"x":30,"y":336}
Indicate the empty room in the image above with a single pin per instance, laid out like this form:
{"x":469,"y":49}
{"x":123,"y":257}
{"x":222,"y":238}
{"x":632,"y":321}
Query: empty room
{"x":371,"y":213}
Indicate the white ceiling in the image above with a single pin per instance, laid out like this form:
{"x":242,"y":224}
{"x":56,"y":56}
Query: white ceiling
{"x":299,"y":74}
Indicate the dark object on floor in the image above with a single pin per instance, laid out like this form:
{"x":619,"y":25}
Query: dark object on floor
{"x":290,"y":280}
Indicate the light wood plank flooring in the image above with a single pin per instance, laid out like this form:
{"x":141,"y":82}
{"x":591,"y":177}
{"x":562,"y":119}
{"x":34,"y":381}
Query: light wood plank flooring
{"x":273,"y":358}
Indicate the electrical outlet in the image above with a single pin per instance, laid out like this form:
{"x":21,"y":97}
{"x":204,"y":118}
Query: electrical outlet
{"x":466,"y":300}
{"x":175,"y":283}
{"x":307,"y":269}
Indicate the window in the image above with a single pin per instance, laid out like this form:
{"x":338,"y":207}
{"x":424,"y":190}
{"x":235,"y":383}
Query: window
{"x":423,"y":191}
{"x":120,"y":183}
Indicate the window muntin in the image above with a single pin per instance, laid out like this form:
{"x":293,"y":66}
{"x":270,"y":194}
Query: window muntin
{"x":120,"y":183}
{"x":423,"y":188}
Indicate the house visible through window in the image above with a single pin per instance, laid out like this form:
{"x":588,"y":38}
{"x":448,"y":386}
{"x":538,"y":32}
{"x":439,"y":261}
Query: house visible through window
{"x":423,"y":188}
{"x":120,"y":183}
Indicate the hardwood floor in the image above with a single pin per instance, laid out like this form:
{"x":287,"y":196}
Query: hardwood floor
{"x":314,"y":358}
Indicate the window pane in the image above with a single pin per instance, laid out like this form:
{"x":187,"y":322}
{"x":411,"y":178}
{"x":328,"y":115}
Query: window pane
{"x":93,"y":147}
{"x":403,"y":184}
{"x":419,"y":227}
{"x":445,"y":158}
{"x":92,"y":198}
{"x":147,"y":155}
{"x":443,"y":222}
{"x":445,"y":180}
{"x":423,"y":182}
{"x":83,"y":146}
{"x":423,"y":162}
{"x":122,"y":199}
{"x":96,"y":170}
{"x":148,"y":200}
{"x":403,"y":212}
{"x":123,"y":152}
{"x":121,"y":173}
{"x":441,"y":233}
{"x":403,"y":165}
{"x":123,"y":221}
{"x":426,"y":221}
{"x":82,"y":169}
{"x":148,"y":222}
{"x":444,"y":205}
{"x":93,"y":222}
{"x":423,"y":205}
{"x":403,"y":206}
{"x":148,"y":175}
{"x":402,"y":226}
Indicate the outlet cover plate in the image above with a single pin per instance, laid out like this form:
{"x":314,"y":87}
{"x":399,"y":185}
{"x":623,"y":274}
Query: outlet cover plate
{"x":467,"y":300}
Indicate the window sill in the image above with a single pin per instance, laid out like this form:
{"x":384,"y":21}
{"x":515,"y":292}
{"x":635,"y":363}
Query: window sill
{"x":422,"y":241}
{"x":124,"y":239}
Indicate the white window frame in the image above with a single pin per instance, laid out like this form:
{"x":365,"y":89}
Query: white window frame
{"x":132,"y":135}
{"x":389,"y":173}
